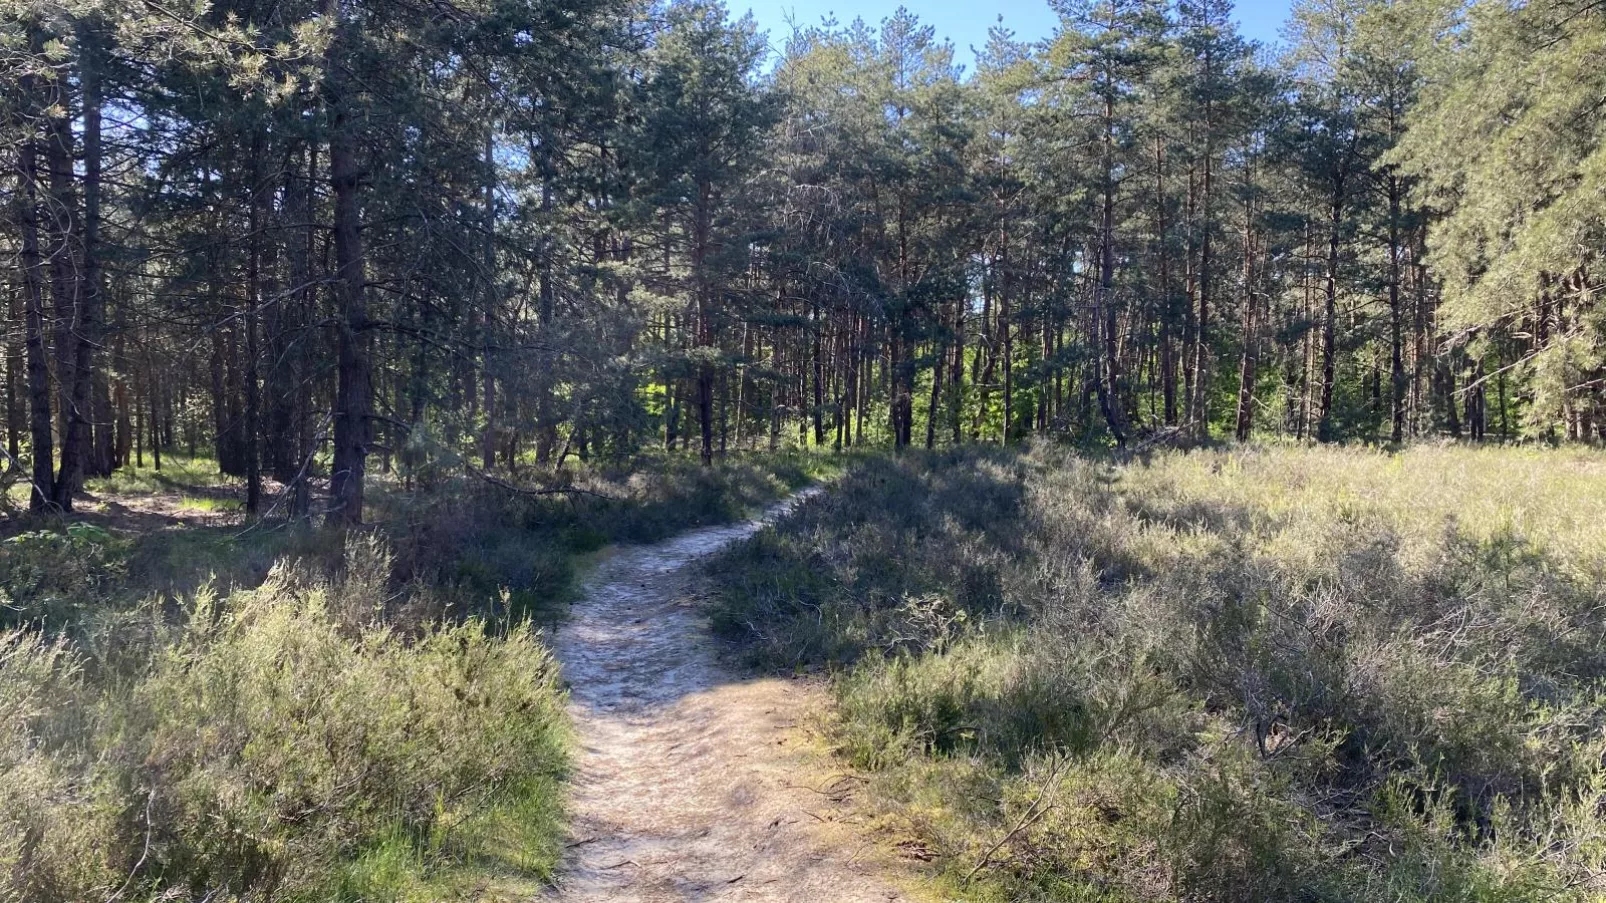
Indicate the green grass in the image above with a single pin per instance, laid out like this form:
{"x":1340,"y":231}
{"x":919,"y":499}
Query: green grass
{"x":508,"y":852}
{"x":1238,"y":674}
{"x":178,"y":472}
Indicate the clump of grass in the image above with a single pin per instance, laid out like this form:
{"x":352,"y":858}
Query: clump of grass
{"x":1248,"y":674}
{"x":178,"y":473}
{"x":56,"y":579}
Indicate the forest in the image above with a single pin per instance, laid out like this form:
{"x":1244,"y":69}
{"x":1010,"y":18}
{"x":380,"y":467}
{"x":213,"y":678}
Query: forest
{"x":598,"y":450}
{"x":320,"y":240}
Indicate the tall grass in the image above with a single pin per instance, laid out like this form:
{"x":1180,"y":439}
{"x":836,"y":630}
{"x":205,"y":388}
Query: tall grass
{"x":1254,"y":674}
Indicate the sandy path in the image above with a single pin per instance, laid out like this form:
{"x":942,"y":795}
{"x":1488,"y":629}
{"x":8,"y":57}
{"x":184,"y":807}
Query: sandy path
{"x":689,"y":784}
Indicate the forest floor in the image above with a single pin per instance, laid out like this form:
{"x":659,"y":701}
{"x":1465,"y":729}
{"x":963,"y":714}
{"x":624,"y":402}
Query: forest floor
{"x":694,"y":782}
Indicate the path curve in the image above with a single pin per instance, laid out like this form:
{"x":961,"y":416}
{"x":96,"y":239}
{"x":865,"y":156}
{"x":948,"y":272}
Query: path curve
{"x":689,"y":783}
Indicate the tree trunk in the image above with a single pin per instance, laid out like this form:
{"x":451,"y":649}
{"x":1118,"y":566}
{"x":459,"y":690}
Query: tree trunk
{"x":66,"y":269}
{"x":39,"y":414}
{"x":1246,"y":363}
{"x":1168,"y":365}
{"x":261,"y":194}
{"x":1201,"y":335}
{"x":1005,"y":326}
{"x":702,"y":227}
{"x":1104,"y":306}
{"x":818,"y":366}
{"x":1396,"y":319}
{"x":16,"y":387}
{"x":488,"y":277}
{"x":353,"y":387}
{"x":104,"y":447}
{"x":546,"y":435}
{"x":1324,"y":429}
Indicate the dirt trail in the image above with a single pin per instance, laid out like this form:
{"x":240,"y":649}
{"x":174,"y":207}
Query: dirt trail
{"x":690,"y":784}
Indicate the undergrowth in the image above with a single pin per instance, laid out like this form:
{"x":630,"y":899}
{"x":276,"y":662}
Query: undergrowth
{"x":214,"y":712}
{"x":1249,"y":674}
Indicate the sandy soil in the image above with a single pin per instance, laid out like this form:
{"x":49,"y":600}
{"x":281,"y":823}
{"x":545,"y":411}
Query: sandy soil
{"x":692,"y":782}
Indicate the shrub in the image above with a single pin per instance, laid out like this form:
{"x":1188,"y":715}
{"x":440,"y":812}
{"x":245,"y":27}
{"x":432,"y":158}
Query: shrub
{"x":54,"y":579}
{"x":272,"y":740}
{"x":333,"y":716}
{"x":57,"y":819}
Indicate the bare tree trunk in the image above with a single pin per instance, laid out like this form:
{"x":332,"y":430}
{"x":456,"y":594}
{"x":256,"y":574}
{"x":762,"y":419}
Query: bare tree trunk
{"x":1168,"y":366}
{"x":1005,"y":325}
{"x":488,"y":277}
{"x":1247,"y":362}
{"x":1109,"y":388}
{"x":104,"y":451}
{"x":546,"y":435}
{"x":1396,"y":319}
{"x":702,"y":227}
{"x":261,"y":193}
{"x":1190,"y":280}
{"x":1201,"y":335}
{"x":939,"y":355}
{"x":16,"y":387}
{"x":818,"y":365}
{"x":956,"y":376}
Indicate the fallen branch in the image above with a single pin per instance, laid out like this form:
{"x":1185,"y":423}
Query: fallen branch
{"x":1033,"y":814}
{"x":526,"y":490}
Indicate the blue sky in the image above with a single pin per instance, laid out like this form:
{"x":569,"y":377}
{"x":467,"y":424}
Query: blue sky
{"x":965,"y":22}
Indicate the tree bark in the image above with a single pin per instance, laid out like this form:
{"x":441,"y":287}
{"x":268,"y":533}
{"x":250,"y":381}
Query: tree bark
{"x":39,"y":413}
{"x":354,"y":387}
{"x":702,"y":227}
{"x":1110,"y":387}
{"x":65,"y":286}
{"x":1396,"y":319}
{"x":488,"y":374}
{"x":1247,"y":362}
{"x":1324,"y":428}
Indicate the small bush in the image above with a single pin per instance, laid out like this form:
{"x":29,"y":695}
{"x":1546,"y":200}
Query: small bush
{"x":211,"y":713}
{"x":54,"y":579}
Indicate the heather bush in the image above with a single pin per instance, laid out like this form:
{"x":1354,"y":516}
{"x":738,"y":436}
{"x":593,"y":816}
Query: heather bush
{"x":1245,"y":674}
{"x":277,"y":735}
{"x":482,"y":539}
